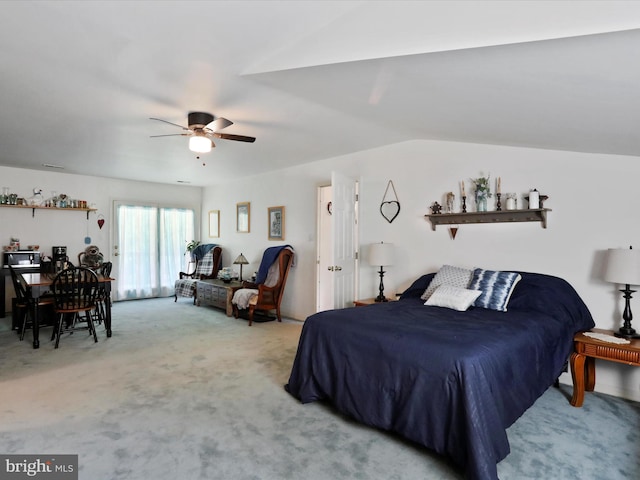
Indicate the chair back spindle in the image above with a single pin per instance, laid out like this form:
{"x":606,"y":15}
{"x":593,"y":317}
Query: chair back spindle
{"x":75,"y":291}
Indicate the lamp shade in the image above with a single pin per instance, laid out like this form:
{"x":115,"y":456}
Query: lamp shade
{"x":240,"y":260}
{"x":623,"y":266}
{"x":381,"y":254}
{"x":199,"y":144}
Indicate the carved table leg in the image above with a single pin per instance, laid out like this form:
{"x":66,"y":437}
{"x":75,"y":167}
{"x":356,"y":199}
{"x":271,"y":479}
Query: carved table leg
{"x":590,"y":374}
{"x":578,"y":375}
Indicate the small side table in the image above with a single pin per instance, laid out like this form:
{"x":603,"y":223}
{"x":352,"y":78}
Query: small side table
{"x":370,"y":301}
{"x":586,"y":350}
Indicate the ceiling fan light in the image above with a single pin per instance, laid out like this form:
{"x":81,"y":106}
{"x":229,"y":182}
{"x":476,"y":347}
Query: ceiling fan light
{"x":199,"y":144}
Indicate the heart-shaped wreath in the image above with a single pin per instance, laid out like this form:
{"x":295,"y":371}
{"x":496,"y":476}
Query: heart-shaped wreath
{"x":390,"y":209}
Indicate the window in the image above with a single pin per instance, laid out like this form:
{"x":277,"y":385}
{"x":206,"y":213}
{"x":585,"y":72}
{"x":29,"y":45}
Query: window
{"x":150,"y":244}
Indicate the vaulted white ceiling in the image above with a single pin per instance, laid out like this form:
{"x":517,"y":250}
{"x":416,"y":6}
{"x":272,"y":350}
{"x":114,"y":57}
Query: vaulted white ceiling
{"x":309,"y":79}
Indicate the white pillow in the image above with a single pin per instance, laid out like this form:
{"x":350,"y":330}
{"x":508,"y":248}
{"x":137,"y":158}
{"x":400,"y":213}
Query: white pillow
{"x":453,"y":297}
{"x":448,"y":275}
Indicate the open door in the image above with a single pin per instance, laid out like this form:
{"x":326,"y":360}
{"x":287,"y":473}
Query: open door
{"x":345,"y":234}
{"x":324,"y":276}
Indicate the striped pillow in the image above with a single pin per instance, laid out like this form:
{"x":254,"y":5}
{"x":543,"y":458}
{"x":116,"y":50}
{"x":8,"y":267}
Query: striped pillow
{"x":496,"y":287}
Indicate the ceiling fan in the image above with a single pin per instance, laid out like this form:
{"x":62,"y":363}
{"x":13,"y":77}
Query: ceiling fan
{"x":203,"y":128}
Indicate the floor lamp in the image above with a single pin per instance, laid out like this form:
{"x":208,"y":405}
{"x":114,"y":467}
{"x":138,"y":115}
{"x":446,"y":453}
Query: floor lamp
{"x":623,"y":267}
{"x":381,"y":254}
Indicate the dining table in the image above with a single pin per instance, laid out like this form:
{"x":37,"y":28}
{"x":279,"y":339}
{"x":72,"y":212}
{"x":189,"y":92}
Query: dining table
{"x":39,"y":284}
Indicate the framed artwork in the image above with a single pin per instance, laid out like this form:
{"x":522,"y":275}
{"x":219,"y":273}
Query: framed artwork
{"x":243,"y":217}
{"x":214,"y":223}
{"x":276,"y":223}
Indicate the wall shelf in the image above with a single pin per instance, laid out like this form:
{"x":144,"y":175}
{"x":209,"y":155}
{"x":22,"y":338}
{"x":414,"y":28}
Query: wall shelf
{"x":502,"y":216}
{"x":33,"y":209}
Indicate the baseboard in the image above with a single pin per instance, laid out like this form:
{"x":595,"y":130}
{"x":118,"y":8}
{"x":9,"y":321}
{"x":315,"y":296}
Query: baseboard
{"x":602,"y":387}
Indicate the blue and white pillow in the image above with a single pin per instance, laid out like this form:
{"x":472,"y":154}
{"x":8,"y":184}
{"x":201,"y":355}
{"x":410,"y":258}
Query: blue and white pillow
{"x":496,"y":287}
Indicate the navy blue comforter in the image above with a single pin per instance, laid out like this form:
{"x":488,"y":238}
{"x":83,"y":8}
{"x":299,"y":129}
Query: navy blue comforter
{"x":451,"y":381}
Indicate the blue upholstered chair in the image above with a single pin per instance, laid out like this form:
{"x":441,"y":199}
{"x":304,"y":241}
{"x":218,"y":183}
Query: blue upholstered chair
{"x":208,"y":261}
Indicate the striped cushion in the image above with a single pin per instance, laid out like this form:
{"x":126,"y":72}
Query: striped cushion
{"x":185,"y":287}
{"x":496,"y":288}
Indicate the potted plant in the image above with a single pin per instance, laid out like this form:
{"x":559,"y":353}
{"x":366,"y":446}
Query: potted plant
{"x":191,"y":246}
{"x":482,"y":192}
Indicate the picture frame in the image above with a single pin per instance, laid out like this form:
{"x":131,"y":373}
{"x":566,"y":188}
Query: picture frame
{"x":276,"y":223}
{"x":214,"y":223}
{"x":243,"y":217}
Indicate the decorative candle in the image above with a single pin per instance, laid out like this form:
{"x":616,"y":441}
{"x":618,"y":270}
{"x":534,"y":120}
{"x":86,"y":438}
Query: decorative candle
{"x":498,"y":185}
{"x":462,"y":187}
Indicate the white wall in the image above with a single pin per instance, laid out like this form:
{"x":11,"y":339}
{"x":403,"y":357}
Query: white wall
{"x":53,"y":227}
{"x":591,"y":195}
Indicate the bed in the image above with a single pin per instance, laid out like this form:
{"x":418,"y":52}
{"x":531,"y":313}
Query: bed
{"x":452,"y":381}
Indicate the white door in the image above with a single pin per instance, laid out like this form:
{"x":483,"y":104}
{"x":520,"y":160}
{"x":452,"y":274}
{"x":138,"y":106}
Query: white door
{"x":345,"y":245}
{"x":324,"y":285}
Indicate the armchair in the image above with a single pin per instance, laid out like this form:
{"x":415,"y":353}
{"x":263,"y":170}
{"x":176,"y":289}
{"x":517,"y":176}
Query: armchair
{"x":267,"y":292}
{"x":208,"y":261}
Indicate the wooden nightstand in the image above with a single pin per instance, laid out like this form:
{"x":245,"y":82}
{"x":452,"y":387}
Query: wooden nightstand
{"x":586,"y":350}
{"x":370,"y":301}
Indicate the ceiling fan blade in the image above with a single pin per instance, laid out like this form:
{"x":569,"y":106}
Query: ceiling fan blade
{"x":174,"y":124}
{"x":172,"y":135}
{"x":239,"y":138}
{"x":219,"y":123}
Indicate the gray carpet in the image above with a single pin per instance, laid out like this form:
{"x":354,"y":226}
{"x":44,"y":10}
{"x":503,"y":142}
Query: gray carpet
{"x":182,"y":392}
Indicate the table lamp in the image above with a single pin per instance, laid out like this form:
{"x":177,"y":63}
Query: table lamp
{"x":381,"y":254}
{"x":240,"y":260}
{"x":623,"y":267}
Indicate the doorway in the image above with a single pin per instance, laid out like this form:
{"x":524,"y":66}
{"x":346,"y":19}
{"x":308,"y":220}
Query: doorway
{"x":337,"y":247}
{"x":324,"y":287}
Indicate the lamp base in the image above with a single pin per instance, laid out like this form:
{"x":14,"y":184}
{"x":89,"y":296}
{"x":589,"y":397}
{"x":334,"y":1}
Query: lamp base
{"x":381,"y":297}
{"x":629,"y":333}
{"x":626,"y":331}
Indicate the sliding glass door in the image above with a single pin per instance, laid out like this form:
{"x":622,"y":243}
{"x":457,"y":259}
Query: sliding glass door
{"x":149,"y":244}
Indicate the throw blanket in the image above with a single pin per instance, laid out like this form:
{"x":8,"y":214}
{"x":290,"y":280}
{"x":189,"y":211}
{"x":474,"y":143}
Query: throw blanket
{"x":201,"y":250}
{"x":242,"y":298}
{"x":270,"y":255}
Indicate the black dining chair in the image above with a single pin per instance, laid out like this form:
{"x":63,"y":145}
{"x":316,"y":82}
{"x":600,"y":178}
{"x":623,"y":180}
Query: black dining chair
{"x":75,"y":292}
{"x":104,"y":271}
{"x":25,"y":304}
